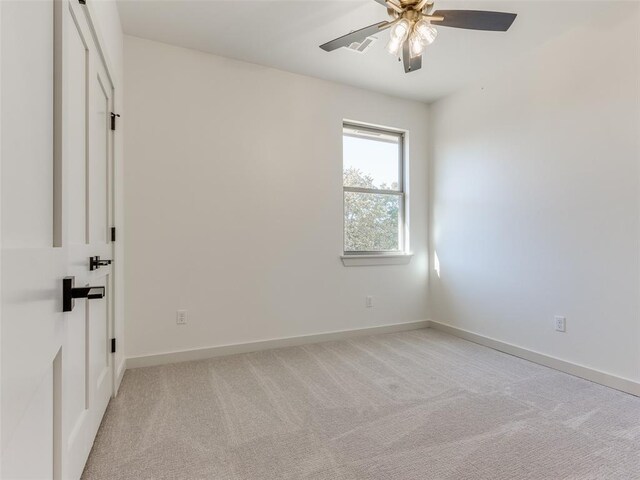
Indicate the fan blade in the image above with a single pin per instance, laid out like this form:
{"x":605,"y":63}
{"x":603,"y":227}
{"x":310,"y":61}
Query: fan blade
{"x":475,"y":20}
{"x":411,"y":64}
{"x":356,"y":36}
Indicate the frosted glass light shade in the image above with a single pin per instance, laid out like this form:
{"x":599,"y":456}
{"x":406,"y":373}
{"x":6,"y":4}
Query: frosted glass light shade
{"x":393,"y":47}
{"x":416,"y":45}
{"x":426,"y":31}
{"x":400,"y":30}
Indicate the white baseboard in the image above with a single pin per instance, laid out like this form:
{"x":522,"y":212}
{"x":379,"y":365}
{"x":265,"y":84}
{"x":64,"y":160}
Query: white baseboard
{"x":210,"y":352}
{"x":606,"y":379}
{"x":602,"y":378}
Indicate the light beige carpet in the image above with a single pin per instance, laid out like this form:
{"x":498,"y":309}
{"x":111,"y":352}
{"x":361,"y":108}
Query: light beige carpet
{"x":412,"y":405}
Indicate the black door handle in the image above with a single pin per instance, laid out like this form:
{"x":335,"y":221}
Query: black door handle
{"x":70,"y":293}
{"x":95,"y":263}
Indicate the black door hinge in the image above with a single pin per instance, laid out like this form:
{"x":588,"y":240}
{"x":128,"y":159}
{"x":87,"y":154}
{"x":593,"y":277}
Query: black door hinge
{"x":113,"y":345}
{"x":113,"y":234}
{"x":113,"y":120}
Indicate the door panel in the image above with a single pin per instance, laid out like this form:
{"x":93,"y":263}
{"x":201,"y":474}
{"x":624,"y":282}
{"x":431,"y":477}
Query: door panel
{"x":101,"y":371}
{"x":75,"y":381}
{"x":76,"y":393}
{"x":74,"y":166}
{"x":30,"y":456}
{"x":27,"y":134}
{"x":31,"y":328}
{"x":100,"y":109}
{"x":86,"y":209}
{"x":57,"y":374}
{"x":75,"y":110}
{"x":100,"y":365}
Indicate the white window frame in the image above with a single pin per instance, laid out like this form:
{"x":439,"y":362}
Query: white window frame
{"x":401,"y":192}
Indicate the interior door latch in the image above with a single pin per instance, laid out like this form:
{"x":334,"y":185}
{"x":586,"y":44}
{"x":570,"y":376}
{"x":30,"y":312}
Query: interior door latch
{"x":95,"y":263}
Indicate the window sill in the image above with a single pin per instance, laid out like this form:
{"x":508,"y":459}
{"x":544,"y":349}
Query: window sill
{"x":370,"y":260}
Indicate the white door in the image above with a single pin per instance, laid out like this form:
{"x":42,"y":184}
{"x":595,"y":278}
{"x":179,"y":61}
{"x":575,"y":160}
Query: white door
{"x":57,"y":374}
{"x":86,"y":105}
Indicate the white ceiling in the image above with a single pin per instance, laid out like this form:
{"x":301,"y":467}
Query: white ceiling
{"x":286,"y":35}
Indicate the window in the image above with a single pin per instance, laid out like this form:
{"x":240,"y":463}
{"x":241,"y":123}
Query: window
{"x":373,"y":185}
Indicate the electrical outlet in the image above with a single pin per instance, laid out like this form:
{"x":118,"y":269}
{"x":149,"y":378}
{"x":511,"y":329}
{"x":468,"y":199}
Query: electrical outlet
{"x":561,"y":324}
{"x":181,"y":317}
{"x":368,"y":301}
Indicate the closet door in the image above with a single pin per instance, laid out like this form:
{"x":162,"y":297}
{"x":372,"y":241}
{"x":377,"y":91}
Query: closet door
{"x":57,"y":163}
{"x":85,"y":165}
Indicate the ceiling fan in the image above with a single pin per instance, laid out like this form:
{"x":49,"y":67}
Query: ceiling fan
{"x":412,"y":24}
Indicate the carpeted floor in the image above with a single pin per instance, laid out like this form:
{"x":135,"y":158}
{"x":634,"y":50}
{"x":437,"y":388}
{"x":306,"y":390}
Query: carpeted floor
{"x":412,"y":405}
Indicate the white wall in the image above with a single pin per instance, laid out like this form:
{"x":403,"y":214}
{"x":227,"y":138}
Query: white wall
{"x":233,"y":193}
{"x":535,"y":199}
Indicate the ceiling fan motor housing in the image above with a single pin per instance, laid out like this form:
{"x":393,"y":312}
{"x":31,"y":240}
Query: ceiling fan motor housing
{"x":408,"y":7}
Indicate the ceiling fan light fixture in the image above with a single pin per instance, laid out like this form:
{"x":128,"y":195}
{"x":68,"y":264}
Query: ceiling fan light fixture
{"x":400,"y":30}
{"x":411,"y":30}
{"x":417,"y":45}
{"x":393,"y":47}
{"x":426,"y":31}
{"x":399,"y":33}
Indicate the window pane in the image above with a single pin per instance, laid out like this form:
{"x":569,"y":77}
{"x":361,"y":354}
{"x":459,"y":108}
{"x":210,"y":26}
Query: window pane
{"x":371,"y":162}
{"x":371,"y":222}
